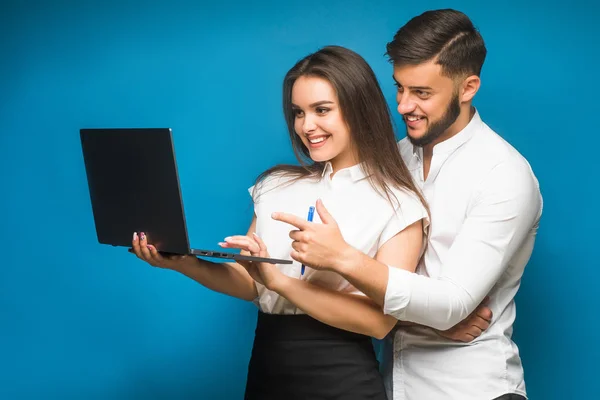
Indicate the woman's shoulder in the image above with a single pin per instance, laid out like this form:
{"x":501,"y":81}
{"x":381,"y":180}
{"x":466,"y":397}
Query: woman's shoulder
{"x":276,"y":183}
{"x":407,"y":201}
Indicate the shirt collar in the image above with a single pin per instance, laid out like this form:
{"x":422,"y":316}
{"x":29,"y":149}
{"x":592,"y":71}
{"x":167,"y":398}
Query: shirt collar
{"x":449,"y":145}
{"x":356,"y":172}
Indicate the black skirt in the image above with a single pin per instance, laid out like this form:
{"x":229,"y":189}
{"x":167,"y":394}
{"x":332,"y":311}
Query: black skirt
{"x":298,"y":357}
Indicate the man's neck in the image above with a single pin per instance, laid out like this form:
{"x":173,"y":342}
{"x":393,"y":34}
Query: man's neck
{"x":461,"y":122}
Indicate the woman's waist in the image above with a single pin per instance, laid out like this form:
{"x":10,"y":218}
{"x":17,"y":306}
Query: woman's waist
{"x":295,"y":327}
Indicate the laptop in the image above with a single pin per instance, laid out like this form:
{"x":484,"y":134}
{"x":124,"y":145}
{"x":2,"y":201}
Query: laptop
{"x":134,"y":187}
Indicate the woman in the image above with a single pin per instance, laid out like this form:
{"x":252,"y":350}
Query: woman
{"x":313,"y":333}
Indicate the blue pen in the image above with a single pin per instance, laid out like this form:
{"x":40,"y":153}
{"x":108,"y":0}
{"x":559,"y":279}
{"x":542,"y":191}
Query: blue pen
{"x":311,"y":212}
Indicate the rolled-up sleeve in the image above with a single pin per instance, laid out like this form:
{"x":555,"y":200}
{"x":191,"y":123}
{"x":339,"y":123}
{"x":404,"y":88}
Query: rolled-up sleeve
{"x":504,"y":211}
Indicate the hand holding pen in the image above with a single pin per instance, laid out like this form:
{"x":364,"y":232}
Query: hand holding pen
{"x":311,"y":213}
{"x":320,"y":246}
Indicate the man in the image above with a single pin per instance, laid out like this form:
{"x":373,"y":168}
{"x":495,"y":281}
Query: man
{"x":485,"y":207}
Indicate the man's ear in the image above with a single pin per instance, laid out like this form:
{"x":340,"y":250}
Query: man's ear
{"x":469,"y":88}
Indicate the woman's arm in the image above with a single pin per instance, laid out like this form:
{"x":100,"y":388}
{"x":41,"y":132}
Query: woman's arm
{"x":227,"y":278}
{"x":354,"y":312}
{"x":346,"y":311}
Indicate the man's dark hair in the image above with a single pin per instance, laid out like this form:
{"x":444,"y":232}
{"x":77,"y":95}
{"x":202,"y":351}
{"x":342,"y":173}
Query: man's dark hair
{"x":446,"y":36}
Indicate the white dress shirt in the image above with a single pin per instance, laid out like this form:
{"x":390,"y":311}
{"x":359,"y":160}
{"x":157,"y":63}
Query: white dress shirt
{"x":366,"y":219}
{"x":485,"y":208}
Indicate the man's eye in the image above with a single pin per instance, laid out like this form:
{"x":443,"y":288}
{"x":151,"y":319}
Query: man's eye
{"x":422,"y":94}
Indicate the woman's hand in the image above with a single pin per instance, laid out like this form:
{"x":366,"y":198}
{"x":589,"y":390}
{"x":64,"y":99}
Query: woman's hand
{"x":264,"y":273}
{"x":148,"y":253}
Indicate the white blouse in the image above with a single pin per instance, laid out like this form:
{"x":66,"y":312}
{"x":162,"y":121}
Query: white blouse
{"x":366,"y":219}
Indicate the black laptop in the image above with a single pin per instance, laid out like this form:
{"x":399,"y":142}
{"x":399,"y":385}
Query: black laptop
{"x":134,"y":187}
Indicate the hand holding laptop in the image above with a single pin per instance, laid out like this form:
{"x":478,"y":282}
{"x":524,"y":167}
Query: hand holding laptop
{"x":109,"y":156}
{"x":267,"y":274}
{"x":147,"y":252}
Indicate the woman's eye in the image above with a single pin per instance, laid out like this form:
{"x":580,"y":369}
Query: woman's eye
{"x":322,"y":110}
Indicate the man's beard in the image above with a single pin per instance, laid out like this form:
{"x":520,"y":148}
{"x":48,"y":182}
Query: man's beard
{"x":438,"y":128}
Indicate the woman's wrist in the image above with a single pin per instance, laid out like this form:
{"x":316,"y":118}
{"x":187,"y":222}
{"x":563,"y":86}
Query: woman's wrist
{"x":186,"y":264}
{"x":281,"y":285}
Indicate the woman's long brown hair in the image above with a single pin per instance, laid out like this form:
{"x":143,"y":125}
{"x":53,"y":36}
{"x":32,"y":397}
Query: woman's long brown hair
{"x":366,"y":113}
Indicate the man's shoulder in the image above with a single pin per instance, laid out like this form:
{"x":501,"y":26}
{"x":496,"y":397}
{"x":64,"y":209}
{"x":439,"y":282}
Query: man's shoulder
{"x":502,"y":165}
{"x":488,"y":149}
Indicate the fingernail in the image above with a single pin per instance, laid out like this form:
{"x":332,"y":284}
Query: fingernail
{"x":222,"y":244}
{"x":135,"y":236}
{"x":149,"y":247}
{"x":254,"y":234}
{"x":274,"y":215}
{"x":143,"y":236}
{"x":227,"y":238}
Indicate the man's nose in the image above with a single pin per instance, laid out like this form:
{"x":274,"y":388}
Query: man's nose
{"x":405,"y":104}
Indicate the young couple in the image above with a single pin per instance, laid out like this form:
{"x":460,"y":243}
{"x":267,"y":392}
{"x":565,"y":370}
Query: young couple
{"x":417,"y":242}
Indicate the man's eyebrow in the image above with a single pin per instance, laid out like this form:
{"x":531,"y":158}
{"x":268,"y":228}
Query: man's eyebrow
{"x":429,"y":88}
{"x":420,"y":88}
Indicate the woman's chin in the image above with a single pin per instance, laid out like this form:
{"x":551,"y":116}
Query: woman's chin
{"x":320,"y":156}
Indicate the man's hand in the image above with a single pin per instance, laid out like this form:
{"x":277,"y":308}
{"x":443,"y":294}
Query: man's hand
{"x":319,"y":246}
{"x":472,"y":326}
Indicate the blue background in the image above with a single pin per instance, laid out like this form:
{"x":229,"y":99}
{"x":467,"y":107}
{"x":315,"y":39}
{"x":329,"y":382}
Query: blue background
{"x":82,"y":320}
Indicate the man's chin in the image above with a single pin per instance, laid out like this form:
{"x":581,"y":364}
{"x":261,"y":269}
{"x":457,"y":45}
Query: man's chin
{"x":417,"y":140}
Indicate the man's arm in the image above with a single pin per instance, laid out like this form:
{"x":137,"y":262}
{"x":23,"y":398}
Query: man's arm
{"x":506,"y":208}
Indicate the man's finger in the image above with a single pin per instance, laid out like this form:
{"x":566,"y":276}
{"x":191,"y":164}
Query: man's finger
{"x":467,"y":337}
{"x":474,"y":331}
{"x":484,"y":312}
{"x":291,"y":219}
{"x":326,"y":218}
{"x":481,"y":323}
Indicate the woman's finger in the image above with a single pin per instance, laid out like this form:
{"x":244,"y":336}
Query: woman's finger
{"x":261,"y":245}
{"x":243,"y":242}
{"x":295,"y":234}
{"x":144,"y":248}
{"x":135,"y":245}
{"x":240,"y":245}
{"x":296,"y":245}
{"x":155,"y":257}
